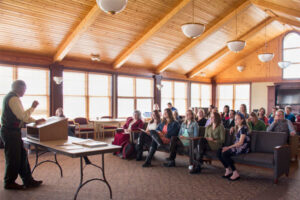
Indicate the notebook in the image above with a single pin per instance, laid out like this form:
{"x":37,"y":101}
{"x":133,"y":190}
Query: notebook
{"x":91,"y":143}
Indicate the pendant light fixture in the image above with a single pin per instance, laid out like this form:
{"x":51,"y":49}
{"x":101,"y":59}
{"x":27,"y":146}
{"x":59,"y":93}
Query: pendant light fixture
{"x":266,"y":57}
{"x":284,"y":64}
{"x":112,"y":6}
{"x":192,"y":30}
{"x":236,"y":45}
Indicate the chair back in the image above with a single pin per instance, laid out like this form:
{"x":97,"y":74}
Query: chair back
{"x":264,"y":142}
{"x":81,"y":120}
{"x":106,"y":117}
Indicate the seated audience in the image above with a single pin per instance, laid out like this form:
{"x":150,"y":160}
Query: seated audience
{"x":162,"y":135}
{"x":228,"y":124}
{"x":210,"y":109}
{"x":262,"y":116}
{"x":170,"y":106}
{"x":272,"y":115}
{"x":281,"y":124}
{"x":240,"y":146}
{"x":289,"y":115}
{"x":201,"y":118}
{"x":59,"y":112}
{"x":188,"y":129}
{"x":214,"y":136}
{"x":177,"y":117}
{"x":225,"y":113}
{"x":144,"y":137}
{"x":156,"y":107}
{"x":134,"y":123}
{"x":208,"y":122}
{"x":243,"y":110}
{"x":255,"y":124}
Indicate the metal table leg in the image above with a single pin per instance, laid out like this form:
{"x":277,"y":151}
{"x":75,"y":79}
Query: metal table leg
{"x":37,"y":163}
{"x":81,"y":184}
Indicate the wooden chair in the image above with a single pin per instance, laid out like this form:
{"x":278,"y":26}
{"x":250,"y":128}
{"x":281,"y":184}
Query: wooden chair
{"x":84,"y":127}
{"x":108,"y":128}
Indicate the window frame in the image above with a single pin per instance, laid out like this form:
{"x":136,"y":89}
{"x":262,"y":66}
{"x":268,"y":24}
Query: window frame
{"x":200,"y":92}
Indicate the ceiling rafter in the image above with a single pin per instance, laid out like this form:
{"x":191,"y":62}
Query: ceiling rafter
{"x":73,"y":37}
{"x":288,"y":21}
{"x":210,"y":28}
{"x":276,"y":8}
{"x":122,"y":58}
{"x":225,"y":50}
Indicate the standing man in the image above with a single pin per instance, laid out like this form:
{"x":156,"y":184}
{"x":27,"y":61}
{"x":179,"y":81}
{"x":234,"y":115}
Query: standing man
{"x":13,"y":118}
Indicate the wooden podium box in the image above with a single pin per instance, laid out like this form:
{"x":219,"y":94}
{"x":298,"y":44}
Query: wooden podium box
{"x":55,"y":128}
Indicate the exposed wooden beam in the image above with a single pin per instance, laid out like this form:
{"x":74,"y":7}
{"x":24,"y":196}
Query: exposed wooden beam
{"x":225,"y":50}
{"x":276,"y":8}
{"x":71,"y":39}
{"x":210,"y":28}
{"x":288,"y":21}
{"x":121,"y":59}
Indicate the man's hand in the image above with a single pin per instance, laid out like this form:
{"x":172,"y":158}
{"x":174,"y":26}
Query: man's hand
{"x":293,"y":133}
{"x":39,"y":121}
{"x":34,"y":104}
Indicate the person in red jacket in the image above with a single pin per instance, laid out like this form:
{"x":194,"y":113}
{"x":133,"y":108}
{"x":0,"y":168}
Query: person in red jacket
{"x":134,"y":123}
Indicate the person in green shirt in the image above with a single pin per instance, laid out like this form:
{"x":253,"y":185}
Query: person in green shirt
{"x":255,"y":124}
{"x":213,"y":139}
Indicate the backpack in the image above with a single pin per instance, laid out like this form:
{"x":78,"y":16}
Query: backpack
{"x":128,"y":151}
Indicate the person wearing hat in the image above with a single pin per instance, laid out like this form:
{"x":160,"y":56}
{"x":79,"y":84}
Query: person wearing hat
{"x":13,"y":118}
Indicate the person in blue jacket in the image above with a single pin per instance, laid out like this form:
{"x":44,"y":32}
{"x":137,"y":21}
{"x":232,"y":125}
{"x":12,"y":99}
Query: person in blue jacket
{"x":162,"y":135}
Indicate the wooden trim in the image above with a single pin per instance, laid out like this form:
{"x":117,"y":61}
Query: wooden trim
{"x":211,"y":28}
{"x":288,"y":21}
{"x":71,"y":39}
{"x":87,"y":98}
{"x":121,"y":59}
{"x":277,"y":8}
{"x":225,"y":50}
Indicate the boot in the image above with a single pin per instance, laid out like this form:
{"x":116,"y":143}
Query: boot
{"x":156,"y":138}
{"x":139,"y":150}
{"x":196,"y":169}
{"x":173,"y":150}
{"x":170,"y":163}
{"x":149,"y":157}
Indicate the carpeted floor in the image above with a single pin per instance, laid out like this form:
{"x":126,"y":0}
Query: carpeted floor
{"x":132,"y":182}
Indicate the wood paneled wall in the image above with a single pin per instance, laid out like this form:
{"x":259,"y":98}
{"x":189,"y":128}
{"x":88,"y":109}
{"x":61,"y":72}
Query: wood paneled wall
{"x":255,"y":70}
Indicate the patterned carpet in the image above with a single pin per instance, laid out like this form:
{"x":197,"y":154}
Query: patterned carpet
{"x":129,"y":181}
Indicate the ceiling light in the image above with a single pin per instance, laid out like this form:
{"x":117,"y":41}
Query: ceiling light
{"x":192,"y":30}
{"x":284,"y":64}
{"x":265,"y":57}
{"x":236,"y":45}
{"x":95,"y":57}
{"x":112,"y":6}
{"x":240,"y":68}
{"x":58,"y":79}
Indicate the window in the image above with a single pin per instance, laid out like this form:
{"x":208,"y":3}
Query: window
{"x":176,"y":93}
{"x":37,"y":87}
{"x":134,"y":94}
{"x":200,"y":95}
{"x":89,"y":90}
{"x":291,"y":52}
{"x":233,"y":96}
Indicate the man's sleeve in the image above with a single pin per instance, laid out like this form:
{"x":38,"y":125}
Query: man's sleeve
{"x":270,"y":128}
{"x":17,"y":108}
{"x":291,"y":126}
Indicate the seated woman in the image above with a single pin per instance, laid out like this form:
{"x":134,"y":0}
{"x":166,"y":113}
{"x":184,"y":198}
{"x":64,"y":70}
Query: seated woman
{"x":272,"y":115}
{"x":240,"y":146}
{"x":230,"y":122}
{"x":201,"y":118}
{"x":262,"y":116}
{"x":255,"y":124}
{"x":225,"y":113}
{"x":213,"y":139}
{"x":134,"y":123}
{"x":243,"y":110}
{"x":162,"y":135}
{"x":144,"y":137}
{"x":188,"y":129}
{"x":177,"y":117}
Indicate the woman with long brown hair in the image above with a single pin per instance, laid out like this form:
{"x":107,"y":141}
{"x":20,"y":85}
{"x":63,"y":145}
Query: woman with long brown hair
{"x":162,"y":135}
{"x":144,"y":137}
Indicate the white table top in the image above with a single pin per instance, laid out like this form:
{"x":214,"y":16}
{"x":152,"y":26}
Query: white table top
{"x":67,"y":148}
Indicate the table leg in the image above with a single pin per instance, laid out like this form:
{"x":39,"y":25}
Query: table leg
{"x":81,"y":184}
{"x":37,"y":163}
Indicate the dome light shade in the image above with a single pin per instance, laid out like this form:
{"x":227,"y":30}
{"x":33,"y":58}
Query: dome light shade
{"x":240,"y":68}
{"x":236,"y":45}
{"x":265,"y":57}
{"x":192,"y":30}
{"x":284,"y":64}
{"x":112,"y":6}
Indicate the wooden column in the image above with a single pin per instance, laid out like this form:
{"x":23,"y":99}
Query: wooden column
{"x":157,"y":92}
{"x":114,"y":96}
{"x":56,"y":91}
{"x":271,"y":99}
{"x":213,"y":92}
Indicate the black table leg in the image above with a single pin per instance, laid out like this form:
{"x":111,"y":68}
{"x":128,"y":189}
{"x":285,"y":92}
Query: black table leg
{"x":37,"y":163}
{"x":81,"y":184}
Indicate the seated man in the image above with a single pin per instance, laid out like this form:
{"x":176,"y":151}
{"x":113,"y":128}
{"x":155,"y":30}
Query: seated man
{"x":281,"y":124}
{"x":255,"y":124}
{"x":289,"y":115}
{"x":229,"y":123}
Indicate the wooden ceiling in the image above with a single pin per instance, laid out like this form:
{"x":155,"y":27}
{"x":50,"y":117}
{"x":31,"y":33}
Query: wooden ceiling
{"x":147,"y":34}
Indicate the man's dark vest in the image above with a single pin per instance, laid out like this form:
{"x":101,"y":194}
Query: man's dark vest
{"x":9,"y":119}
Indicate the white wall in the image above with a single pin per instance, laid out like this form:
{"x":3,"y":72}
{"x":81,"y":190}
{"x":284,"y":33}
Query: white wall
{"x":259,"y":94}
